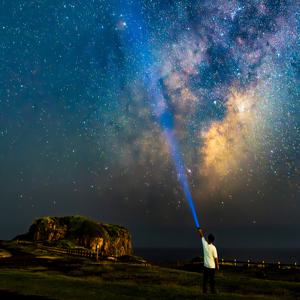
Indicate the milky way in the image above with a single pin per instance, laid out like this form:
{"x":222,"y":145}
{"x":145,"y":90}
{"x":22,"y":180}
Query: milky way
{"x":79,"y":133}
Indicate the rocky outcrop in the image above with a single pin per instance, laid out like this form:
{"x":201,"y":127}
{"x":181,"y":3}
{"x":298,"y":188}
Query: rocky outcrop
{"x":48,"y":229}
{"x":110,"y":240}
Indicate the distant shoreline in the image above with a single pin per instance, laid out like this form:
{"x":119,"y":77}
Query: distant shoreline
{"x":165,"y":255}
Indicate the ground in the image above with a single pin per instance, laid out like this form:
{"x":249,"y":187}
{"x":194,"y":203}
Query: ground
{"x":35,"y":272}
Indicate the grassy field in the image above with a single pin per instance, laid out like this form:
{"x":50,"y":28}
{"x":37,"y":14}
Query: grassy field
{"x":62,"y":277}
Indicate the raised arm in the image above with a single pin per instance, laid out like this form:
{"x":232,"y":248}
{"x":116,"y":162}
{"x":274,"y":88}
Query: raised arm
{"x":200,"y":232}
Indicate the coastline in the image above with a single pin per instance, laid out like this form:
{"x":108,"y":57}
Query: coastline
{"x":185,"y":255}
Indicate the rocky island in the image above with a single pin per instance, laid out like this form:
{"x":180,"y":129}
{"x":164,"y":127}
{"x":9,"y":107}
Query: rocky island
{"x":79,"y":231}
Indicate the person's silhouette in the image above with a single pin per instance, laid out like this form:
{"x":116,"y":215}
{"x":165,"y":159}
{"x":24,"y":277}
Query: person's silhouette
{"x":211,"y":262}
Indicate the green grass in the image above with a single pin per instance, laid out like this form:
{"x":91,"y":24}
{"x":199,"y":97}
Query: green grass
{"x":126,"y":281}
{"x":66,"y":277}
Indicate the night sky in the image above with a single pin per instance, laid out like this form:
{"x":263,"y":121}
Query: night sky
{"x":82,"y":131}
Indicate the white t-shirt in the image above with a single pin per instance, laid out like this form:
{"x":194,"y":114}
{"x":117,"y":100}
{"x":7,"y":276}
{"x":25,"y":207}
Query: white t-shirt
{"x":210,"y":253}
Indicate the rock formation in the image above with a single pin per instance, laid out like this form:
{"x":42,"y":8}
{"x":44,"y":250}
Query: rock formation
{"x":111,"y":240}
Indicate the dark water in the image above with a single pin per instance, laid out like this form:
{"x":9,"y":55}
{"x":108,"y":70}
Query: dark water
{"x":173,"y":255}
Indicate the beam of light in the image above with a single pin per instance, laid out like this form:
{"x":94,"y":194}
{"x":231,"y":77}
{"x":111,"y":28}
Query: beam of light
{"x":178,"y":161}
{"x":135,"y":35}
{"x":166,"y":121}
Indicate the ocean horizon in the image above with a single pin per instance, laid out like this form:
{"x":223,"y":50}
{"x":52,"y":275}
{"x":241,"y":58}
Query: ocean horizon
{"x":185,"y":255}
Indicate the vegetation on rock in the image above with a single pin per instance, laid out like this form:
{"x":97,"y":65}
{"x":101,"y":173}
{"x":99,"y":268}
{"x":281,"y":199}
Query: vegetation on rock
{"x":72,"y":231}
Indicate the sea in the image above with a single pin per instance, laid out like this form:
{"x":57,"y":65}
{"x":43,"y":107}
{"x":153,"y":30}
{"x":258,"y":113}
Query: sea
{"x":185,"y":255}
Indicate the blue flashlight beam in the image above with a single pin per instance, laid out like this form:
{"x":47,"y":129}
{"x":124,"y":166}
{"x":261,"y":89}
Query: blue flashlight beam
{"x":179,"y":165}
{"x":135,"y":35}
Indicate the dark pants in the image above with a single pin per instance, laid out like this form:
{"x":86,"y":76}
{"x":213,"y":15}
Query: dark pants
{"x":209,"y":277}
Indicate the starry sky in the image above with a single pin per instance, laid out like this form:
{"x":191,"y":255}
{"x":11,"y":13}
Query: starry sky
{"x":81,"y":129}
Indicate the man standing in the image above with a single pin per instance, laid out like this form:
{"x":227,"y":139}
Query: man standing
{"x":211,"y":262}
